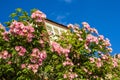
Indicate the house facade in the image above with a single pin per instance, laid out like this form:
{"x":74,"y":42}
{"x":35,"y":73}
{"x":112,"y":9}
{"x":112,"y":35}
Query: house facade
{"x":54,"y":28}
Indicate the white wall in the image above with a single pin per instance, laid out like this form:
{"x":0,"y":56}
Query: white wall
{"x":55,"y":30}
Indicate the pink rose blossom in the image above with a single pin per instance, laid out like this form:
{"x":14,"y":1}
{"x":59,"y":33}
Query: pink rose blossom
{"x":9,"y":62}
{"x":5,"y":36}
{"x":101,"y":37}
{"x":5,"y":54}
{"x":85,"y":70}
{"x":35,"y":50}
{"x":92,"y":60}
{"x":115,"y":62}
{"x":41,"y":41}
{"x":33,"y":67}
{"x":85,"y":25}
{"x":38,"y":16}
{"x":70,"y":75}
{"x":65,"y":76}
{"x":59,"y":49}
{"x":104,"y":57}
{"x":21,"y":54}
{"x":67,"y":63}
{"x":21,"y":50}
{"x":109,"y":49}
{"x":98,"y":63}
{"x":43,"y":55}
{"x":95,"y":31}
{"x":89,"y":73}
{"x":107,"y":42}
{"x":70,"y":26}
{"x":38,"y":56}
{"x":23,"y":66}
{"x":80,"y":39}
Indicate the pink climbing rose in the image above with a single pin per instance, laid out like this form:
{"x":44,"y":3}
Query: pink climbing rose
{"x":38,"y":16}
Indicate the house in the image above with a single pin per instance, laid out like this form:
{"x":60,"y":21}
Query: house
{"x":54,"y":28}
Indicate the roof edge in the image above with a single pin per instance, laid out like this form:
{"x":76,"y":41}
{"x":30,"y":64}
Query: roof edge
{"x":63,"y":26}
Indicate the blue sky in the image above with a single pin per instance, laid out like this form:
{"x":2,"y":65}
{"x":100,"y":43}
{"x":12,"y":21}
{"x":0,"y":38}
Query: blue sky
{"x":104,"y":15}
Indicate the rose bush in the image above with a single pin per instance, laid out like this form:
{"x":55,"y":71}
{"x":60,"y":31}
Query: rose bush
{"x":21,"y":51}
{"x":27,"y":53}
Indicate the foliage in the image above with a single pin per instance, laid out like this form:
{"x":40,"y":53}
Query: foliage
{"x":27,"y":53}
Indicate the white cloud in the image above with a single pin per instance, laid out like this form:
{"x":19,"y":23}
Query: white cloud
{"x":68,"y":1}
{"x":60,"y":17}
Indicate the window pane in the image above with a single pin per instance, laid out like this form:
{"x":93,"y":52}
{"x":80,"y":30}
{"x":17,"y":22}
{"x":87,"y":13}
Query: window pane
{"x":56,"y":31}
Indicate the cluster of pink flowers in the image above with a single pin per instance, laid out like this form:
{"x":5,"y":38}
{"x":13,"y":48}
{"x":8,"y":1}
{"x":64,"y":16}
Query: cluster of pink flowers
{"x":33,"y":67}
{"x":18,"y":28}
{"x":36,"y":59}
{"x":98,"y":39}
{"x":99,"y":62}
{"x":106,"y":42}
{"x":38,"y":16}
{"x":68,"y":62}
{"x":96,"y":77}
{"x":70,"y":26}
{"x":4,"y":33}
{"x":70,"y":75}
{"x":93,"y":30}
{"x":87,"y":27}
{"x":5,"y":36}
{"x":104,"y":57}
{"x":41,"y":41}
{"x":87,"y":71}
{"x":4,"y":55}
{"x":91,"y":38}
{"x":101,"y":37}
{"x":115,"y":62}
{"x":38,"y":56}
{"x":21,"y":50}
{"x":57,"y":48}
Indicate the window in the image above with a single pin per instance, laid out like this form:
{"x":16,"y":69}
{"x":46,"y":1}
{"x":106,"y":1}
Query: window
{"x":62,"y":31}
{"x":56,"y":31}
{"x":49,"y":28}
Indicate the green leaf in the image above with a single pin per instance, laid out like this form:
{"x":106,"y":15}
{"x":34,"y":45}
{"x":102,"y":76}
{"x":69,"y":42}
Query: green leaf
{"x":54,"y":56}
{"x":19,"y":10}
{"x":48,"y":68}
{"x":19,"y":72}
{"x":58,"y":66}
{"x":13,"y":15}
{"x":7,"y":23}
{"x":25,"y":13}
{"x":33,"y":10}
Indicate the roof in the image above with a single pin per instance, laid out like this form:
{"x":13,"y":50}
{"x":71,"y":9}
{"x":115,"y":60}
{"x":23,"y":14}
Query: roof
{"x":55,"y":23}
